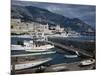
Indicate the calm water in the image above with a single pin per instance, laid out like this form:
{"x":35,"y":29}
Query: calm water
{"x":57,"y":57}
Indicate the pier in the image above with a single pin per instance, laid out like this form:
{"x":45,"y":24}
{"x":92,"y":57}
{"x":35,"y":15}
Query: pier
{"x":68,"y":67}
{"x":84,"y":52}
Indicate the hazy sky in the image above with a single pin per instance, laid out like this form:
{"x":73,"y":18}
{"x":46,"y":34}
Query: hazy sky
{"x":84,"y":12}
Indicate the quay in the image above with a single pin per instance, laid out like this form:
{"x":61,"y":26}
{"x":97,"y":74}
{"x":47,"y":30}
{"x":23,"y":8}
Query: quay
{"x":69,"y":67}
{"x":57,"y":67}
{"x":84,"y":52}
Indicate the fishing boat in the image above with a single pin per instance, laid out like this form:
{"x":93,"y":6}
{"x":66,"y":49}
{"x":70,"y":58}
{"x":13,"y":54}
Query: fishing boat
{"x":29,"y":64}
{"x":32,"y":47}
{"x":36,"y":45}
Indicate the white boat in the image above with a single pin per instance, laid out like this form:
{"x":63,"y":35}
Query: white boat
{"x":87,"y":62}
{"x":40,"y":48}
{"x":29,"y":64}
{"x":71,"y":56}
{"x":31,"y":47}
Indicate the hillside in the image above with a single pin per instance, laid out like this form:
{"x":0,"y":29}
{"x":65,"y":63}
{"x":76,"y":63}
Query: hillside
{"x":31,"y":13}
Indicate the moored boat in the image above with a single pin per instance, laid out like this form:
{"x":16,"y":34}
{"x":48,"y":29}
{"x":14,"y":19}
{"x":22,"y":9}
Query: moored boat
{"x":87,"y":62}
{"x":29,"y":64}
{"x":32,"y":47}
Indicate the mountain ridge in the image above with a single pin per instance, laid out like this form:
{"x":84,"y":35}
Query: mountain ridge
{"x":31,"y":13}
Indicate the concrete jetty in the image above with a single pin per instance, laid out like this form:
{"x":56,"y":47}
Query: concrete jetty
{"x":84,"y":52}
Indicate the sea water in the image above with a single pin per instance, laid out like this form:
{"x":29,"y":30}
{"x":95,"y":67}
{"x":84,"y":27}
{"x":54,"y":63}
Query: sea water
{"x":57,"y":58}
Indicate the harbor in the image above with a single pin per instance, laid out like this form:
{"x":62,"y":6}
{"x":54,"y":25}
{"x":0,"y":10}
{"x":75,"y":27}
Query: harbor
{"x":54,"y":65}
{"x":47,"y":45}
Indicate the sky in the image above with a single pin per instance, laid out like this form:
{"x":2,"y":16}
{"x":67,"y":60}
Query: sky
{"x":86,"y":13}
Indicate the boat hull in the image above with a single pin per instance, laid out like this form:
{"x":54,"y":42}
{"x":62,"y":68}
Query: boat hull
{"x":30,"y":64}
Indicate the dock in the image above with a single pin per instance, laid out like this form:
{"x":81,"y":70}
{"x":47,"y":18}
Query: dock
{"x":64,"y":47}
{"x":68,"y":67}
{"x":57,"y":68}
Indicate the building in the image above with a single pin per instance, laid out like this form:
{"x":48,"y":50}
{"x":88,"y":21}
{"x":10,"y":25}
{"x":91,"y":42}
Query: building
{"x":19,"y":27}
